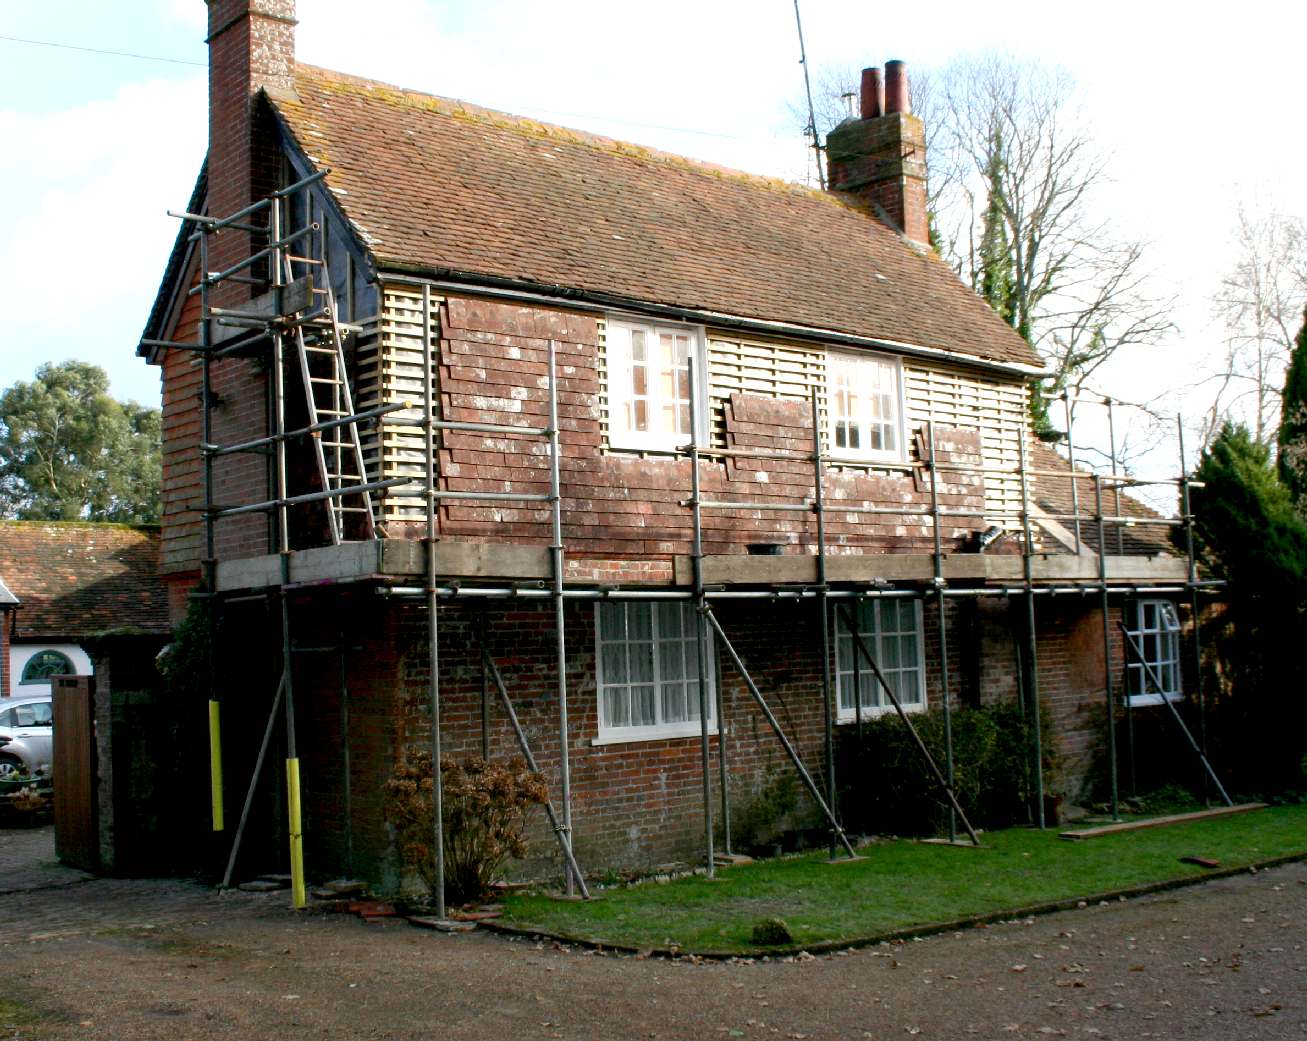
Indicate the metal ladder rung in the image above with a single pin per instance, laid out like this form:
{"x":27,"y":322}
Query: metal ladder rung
{"x":311,"y":349}
{"x":333,"y":380}
{"x":331,"y":412}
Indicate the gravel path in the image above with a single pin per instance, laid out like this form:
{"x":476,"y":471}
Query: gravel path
{"x":123,"y":960}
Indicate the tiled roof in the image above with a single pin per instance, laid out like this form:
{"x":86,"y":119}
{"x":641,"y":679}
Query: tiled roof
{"x":75,"y":579}
{"x":1053,"y":495}
{"x":443,"y":187}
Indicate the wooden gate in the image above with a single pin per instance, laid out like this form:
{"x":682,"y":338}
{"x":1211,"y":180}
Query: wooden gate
{"x":76,"y":822}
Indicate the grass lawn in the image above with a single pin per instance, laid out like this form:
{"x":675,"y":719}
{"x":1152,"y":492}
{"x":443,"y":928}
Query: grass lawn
{"x":902,"y":883}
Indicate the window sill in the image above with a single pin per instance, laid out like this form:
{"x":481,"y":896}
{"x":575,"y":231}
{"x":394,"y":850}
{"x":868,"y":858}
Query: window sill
{"x":636,"y":734}
{"x":663,"y":445}
{"x":876,"y":713}
{"x":1148,"y":700}
{"x":896,"y":462}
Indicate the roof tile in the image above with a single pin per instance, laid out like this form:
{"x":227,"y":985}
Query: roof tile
{"x":74,"y":579}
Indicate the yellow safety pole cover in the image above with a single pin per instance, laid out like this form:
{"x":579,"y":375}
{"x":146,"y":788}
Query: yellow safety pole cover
{"x":215,"y":764}
{"x":296,"y":833}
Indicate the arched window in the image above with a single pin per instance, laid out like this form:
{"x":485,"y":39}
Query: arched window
{"x":44,"y":664}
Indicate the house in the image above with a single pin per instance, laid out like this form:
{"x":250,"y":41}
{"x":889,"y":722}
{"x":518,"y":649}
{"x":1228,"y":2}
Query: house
{"x":455,"y":399}
{"x":63,"y":583}
{"x":85,"y":599}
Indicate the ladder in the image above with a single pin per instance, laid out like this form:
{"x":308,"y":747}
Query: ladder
{"x":337,"y":449}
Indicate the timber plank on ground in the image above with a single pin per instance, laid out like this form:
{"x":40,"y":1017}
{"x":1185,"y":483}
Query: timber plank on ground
{"x":1158,"y":822}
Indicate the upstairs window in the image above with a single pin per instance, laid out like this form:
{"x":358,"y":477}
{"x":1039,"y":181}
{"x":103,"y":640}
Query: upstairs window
{"x":864,"y":407}
{"x":648,"y":670}
{"x":649,"y":383}
{"x":891,"y":629}
{"x":1156,"y":632}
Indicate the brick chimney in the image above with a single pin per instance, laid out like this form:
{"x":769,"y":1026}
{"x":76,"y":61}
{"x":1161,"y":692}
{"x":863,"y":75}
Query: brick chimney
{"x":251,"y":46}
{"x":880,"y":158}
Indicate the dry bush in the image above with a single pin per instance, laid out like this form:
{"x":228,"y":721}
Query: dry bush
{"x":485,"y":811}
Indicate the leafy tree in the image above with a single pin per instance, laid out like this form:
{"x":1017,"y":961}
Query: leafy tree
{"x":994,"y":273}
{"x":69,"y":451}
{"x":1251,"y":535}
{"x":1246,"y":521}
{"x":1292,"y":438}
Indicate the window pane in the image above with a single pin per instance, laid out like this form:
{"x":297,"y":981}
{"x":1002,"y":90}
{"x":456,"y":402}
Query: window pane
{"x":671,"y":664}
{"x":614,"y":663}
{"x":643,"y":711}
{"x":674,"y":703}
{"x":612,"y":621}
{"x":616,"y":707}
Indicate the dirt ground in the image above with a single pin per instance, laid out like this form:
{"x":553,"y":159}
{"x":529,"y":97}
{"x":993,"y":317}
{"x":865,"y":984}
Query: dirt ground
{"x":120,"y":960}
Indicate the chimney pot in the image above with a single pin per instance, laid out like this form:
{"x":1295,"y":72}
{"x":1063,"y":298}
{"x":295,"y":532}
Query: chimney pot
{"x":873,"y":94}
{"x":897,"y":97}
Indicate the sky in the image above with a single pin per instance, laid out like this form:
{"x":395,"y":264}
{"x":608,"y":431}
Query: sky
{"x":1198,"y":112}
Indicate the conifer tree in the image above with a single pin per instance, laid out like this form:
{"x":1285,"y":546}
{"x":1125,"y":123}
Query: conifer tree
{"x":1292,"y":439}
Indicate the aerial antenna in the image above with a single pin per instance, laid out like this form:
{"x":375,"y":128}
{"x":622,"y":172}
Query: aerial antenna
{"x":807,"y":87}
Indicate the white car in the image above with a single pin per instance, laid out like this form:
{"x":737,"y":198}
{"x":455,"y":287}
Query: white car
{"x":28,"y":723}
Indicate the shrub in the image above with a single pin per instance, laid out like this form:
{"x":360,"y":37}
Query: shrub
{"x":485,"y":809}
{"x":771,"y":932}
{"x":887,"y":788}
{"x":765,"y":813}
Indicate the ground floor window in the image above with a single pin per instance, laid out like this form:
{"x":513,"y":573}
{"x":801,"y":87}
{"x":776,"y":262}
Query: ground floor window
{"x":648,"y":670}
{"x":891,"y":629}
{"x":1155,"y":631}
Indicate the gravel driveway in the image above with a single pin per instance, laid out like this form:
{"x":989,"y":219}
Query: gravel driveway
{"x":121,"y":960}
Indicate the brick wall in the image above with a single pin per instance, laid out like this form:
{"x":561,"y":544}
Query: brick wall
{"x":635,"y":804}
{"x":6,"y":619}
{"x":493,"y":369}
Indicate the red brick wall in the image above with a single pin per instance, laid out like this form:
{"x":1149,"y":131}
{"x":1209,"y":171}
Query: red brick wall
{"x":6,"y":619}
{"x":182,"y":531}
{"x":493,"y":369}
{"x":635,"y":805}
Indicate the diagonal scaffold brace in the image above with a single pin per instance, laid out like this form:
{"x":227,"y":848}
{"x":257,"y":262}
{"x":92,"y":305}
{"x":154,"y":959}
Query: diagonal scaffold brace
{"x":809,"y":783}
{"x":1151,"y":673}
{"x":861,"y":647}
{"x":554,"y":821}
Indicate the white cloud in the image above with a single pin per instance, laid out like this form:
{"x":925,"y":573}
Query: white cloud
{"x":82,"y":257}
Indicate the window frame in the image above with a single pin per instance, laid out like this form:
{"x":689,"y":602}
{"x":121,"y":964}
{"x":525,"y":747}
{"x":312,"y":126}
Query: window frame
{"x":28,"y":680}
{"x":1136,"y":678}
{"x":621,"y":392}
{"x":850,"y":714}
{"x":611,"y":734}
{"x":835,"y":359}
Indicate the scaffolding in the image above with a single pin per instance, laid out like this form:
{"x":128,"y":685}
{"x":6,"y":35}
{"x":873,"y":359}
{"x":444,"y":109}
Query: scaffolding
{"x":296,"y":313}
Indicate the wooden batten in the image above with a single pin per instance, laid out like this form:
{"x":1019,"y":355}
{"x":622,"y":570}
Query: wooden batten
{"x":797,"y":569}
{"x":387,"y":558}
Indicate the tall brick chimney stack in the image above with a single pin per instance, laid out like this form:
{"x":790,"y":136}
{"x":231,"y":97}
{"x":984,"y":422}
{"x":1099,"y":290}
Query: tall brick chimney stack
{"x":880,"y":158}
{"x":251,"y":46}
